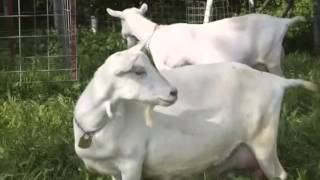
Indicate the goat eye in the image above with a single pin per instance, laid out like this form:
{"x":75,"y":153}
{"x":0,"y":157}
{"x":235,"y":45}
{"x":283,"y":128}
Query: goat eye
{"x":140,"y":72}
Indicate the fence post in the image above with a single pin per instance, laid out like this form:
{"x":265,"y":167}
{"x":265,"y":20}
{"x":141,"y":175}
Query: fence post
{"x":73,"y":27}
{"x":316,"y":27}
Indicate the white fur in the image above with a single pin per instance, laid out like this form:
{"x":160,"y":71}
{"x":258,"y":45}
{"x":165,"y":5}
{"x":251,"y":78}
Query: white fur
{"x":249,"y":39}
{"x":222,"y":108}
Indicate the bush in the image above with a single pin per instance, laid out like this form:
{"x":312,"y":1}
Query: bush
{"x":36,"y":139}
{"x":299,"y":36}
{"x":93,"y":49}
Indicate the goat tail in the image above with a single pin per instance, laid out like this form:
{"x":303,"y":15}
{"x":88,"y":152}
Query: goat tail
{"x":296,"y":19}
{"x":306,"y":84}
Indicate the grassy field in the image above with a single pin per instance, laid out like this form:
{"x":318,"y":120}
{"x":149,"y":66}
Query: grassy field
{"x":36,"y":135}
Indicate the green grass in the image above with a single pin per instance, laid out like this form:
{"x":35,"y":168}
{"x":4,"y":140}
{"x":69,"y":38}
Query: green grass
{"x":299,"y":135}
{"x":36,"y":135}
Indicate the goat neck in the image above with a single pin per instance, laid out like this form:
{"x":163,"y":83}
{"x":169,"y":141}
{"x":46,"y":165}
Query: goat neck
{"x":90,"y":110}
{"x":141,"y":27}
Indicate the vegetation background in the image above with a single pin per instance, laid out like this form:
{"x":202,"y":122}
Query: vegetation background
{"x":36,"y":135}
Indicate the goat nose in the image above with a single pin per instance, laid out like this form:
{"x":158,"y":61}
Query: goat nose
{"x":174,"y":92}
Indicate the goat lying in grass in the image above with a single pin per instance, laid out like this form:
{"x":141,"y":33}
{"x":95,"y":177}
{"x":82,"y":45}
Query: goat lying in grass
{"x":250,"y":39}
{"x":226,"y":116}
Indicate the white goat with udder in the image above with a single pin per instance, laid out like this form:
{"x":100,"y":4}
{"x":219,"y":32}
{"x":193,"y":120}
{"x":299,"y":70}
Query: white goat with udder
{"x":255,"y":39}
{"x":226,"y":117}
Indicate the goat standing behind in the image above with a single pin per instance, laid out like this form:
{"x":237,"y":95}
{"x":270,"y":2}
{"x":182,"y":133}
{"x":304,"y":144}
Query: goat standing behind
{"x":249,"y":39}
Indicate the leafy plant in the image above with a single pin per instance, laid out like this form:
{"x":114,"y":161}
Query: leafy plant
{"x":95,"y":48}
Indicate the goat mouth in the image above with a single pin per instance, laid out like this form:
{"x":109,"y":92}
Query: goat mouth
{"x":166,"y":102}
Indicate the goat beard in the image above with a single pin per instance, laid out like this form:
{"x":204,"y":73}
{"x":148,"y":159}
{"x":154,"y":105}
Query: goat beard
{"x":148,"y":110}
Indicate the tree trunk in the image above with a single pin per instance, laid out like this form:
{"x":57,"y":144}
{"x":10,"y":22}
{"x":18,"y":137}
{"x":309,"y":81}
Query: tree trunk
{"x":316,"y":27}
{"x":288,"y":7}
{"x":265,"y":3}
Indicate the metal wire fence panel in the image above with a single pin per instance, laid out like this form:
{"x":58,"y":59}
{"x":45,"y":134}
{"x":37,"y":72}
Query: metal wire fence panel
{"x":38,"y":37}
{"x":159,"y":11}
{"x":38,"y":40}
{"x":180,"y":11}
{"x":195,"y":10}
{"x":167,"y":12}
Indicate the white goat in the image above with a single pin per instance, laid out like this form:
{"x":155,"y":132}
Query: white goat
{"x":250,"y":39}
{"x":226,"y":115}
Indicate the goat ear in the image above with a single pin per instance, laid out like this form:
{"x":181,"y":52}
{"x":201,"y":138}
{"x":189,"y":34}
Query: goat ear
{"x":126,"y":64}
{"x":115,"y":13}
{"x":109,"y":112}
{"x":143,"y":9}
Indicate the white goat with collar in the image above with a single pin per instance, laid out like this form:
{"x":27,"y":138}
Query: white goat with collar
{"x":226,"y":115}
{"x":126,"y":75}
{"x":251,"y":39}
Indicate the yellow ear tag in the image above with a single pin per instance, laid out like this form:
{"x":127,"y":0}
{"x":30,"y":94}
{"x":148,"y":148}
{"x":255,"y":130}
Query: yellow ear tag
{"x":85,"y":140}
{"x":148,"y":115}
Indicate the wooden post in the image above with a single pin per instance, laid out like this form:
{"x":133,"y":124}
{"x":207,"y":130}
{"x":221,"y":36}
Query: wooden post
{"x":8,"y":10}
{"x":73,"y":27}
{"x":316,"y":27}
